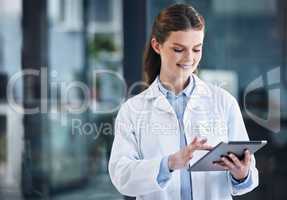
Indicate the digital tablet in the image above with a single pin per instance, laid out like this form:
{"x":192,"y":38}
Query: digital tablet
{"x":237,"y":147}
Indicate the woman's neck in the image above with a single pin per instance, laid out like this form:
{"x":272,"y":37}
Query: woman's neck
{"x":176,"y":85}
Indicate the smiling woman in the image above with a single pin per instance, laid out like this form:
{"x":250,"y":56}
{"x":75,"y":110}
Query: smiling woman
{"x":179,"y":56}
{"x":157,"y":132}
{"x":185,"y":32}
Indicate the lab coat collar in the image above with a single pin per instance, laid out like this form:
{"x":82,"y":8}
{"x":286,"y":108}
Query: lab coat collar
{"x":201,"y":89}
{"x":186,"y":91}
{"x":153,"y":93}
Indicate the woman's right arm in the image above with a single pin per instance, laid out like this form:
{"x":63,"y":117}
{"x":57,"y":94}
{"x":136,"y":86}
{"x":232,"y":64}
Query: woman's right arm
{"x":130,"y":174}
{"x":134,"y":176}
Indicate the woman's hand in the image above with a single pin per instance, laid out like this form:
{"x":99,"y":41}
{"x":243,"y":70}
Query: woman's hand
{"x":181,"y":158}
{"x":238,"y":168}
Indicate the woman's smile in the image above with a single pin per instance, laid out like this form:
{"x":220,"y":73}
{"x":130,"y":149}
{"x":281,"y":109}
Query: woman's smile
{"x":180,"y":54}
{"x":185,"y":66}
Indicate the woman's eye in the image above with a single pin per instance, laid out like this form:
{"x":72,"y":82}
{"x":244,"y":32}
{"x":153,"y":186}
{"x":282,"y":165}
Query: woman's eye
{"x":196,"y":50}
{"x":178,"y":50}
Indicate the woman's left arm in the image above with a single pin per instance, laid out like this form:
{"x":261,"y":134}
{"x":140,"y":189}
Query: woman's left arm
{"x":243,"y":175}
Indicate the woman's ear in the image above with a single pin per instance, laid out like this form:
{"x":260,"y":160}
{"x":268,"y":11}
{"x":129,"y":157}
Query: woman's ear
{"x":155,"y":45}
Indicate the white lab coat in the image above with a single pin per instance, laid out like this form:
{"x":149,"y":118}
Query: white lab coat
{"x":146,"y":130}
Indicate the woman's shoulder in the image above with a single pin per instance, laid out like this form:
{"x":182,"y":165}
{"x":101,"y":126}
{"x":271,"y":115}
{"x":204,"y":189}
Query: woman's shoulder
{"x":220,"y":94}
{"x":136,"y":103}
{"x":212,"y":90}
{"x":219,"y":90}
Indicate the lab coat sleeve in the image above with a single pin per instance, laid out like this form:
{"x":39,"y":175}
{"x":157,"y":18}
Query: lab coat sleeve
{"x":237,"y":132}
{"x":244,"y":184}
{"x":130,"y":173}
{"x":164,"y":172}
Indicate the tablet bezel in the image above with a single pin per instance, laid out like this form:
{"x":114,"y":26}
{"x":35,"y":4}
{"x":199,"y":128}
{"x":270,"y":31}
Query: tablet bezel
{"x":205,"y":164}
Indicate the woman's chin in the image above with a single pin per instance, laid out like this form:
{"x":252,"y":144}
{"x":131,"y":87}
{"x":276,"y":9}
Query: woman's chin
{"x":187,"y":70}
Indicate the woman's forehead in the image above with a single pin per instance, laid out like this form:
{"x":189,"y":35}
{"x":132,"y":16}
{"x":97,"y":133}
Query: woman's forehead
{"x":186,"y":38}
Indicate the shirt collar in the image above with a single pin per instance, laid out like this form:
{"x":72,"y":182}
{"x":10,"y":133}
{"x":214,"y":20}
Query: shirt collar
{"x":186,"y":91}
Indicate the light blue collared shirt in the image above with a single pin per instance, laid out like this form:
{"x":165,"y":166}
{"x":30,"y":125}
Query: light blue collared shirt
{"x":178,"y":103}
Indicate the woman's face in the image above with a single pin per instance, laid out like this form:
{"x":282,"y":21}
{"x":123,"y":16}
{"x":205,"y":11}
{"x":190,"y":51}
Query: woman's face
{"x":180,"y":53}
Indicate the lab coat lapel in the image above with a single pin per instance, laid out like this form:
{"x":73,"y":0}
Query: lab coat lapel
{"x":164,"y":118}
{"x":198,"y":104}
{"x":159,"y":100}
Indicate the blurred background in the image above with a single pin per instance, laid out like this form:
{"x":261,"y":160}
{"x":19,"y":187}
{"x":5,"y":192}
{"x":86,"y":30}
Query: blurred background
{"x":46,"y":46}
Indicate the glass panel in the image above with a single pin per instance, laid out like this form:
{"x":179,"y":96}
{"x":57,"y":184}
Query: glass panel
{"x":65,"y":147}
{"x":11,"y":130}
{"x":3,"y":144}
{"x":105,"y":55}
{"x":10,"y":42}
{"x":79,"y":144}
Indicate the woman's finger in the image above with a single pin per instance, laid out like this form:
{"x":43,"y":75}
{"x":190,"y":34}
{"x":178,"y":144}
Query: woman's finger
{"x":218,"y":162}
{"x":194,"y":141}
{"x":203,"y":140}
{"x":229,"y":164}
{"x":247,"y":158}
{"x":235,"y":160}
{"x":199,"y":144}
{"x":206,"y":147}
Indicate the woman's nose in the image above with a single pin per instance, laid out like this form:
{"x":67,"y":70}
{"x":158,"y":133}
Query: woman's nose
{"x":189,"y":56}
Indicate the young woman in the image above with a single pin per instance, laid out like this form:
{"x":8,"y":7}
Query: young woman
{"x":161,"y":130}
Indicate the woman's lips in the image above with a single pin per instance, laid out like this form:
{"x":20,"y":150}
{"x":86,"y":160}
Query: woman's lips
{"x":185,"y":66}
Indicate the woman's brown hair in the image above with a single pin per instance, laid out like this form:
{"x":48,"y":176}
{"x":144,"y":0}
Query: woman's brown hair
{"x":178,"y":17}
